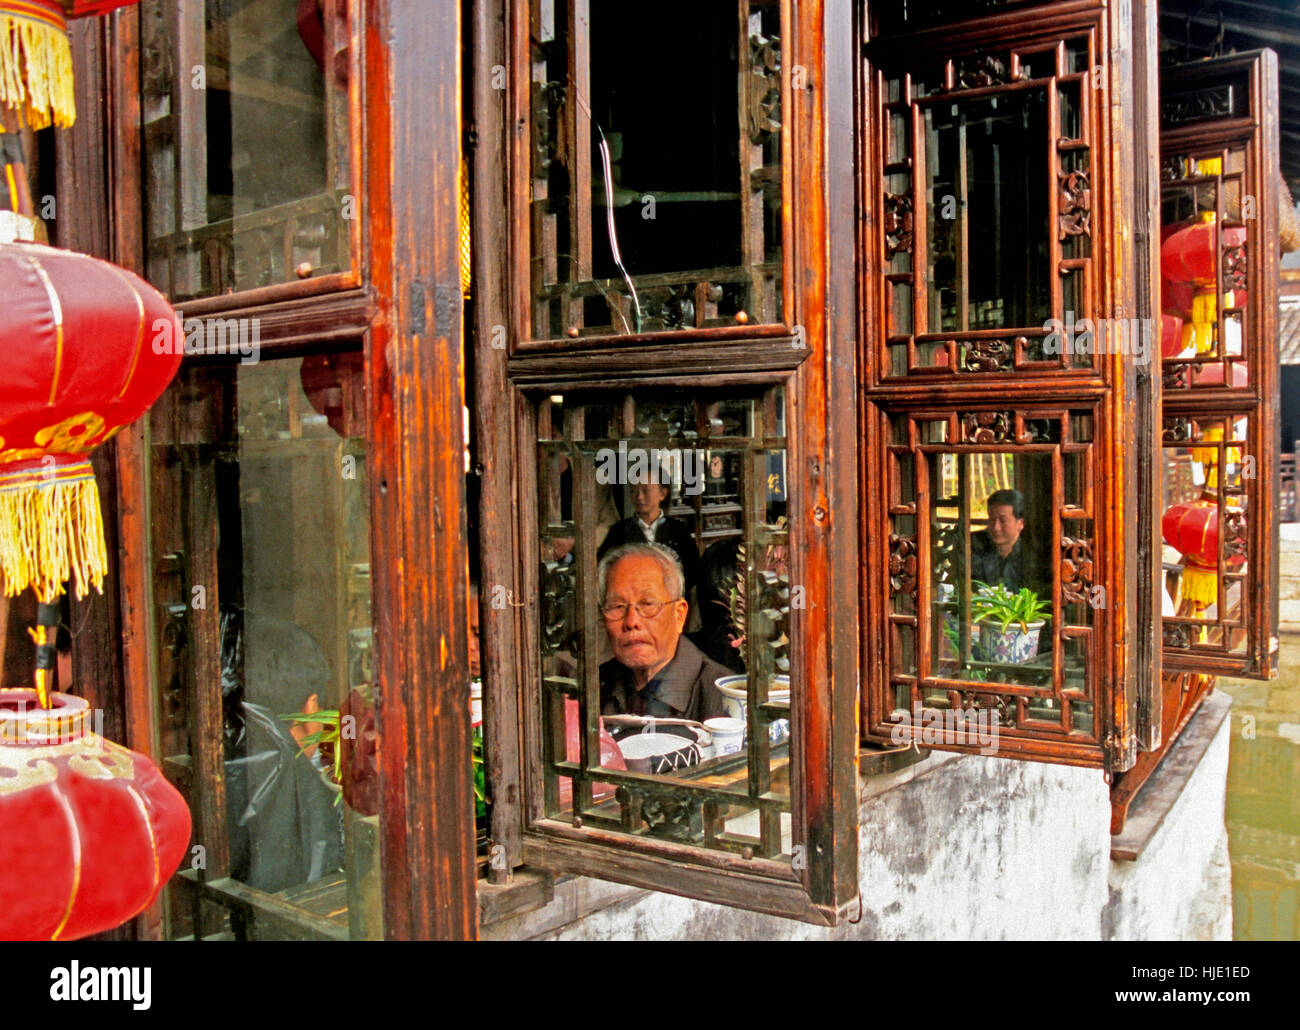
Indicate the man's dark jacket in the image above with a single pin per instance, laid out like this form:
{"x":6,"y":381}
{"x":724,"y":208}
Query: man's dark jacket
{"x":683,"y":689}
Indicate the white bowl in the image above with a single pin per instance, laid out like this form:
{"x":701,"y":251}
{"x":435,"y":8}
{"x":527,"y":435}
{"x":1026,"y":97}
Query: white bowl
{"x":735,"y":701}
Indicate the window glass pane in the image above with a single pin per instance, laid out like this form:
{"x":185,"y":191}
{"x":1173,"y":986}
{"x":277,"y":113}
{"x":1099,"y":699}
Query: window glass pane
{"x":265,"y":648}
{"x":1210,"y":481}
{"x":1207,"y":235}
{"x":666,"y":695}
{"x":245,"y":144}
{"x":992,"y":570}
{"x":990,"y":256}
{"x":656,"y":191}
{"x":993,"y":599}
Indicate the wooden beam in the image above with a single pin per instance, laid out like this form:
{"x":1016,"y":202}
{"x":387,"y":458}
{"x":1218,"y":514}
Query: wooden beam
{"x":415,"y":392}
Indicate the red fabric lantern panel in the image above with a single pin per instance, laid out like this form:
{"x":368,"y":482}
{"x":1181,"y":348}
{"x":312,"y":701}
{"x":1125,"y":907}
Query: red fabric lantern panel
{"x":1171,"y":336}
{"x":1188,"y":255}
{"x":89,"y":831}
{"x":1176,"y":298}
{"x":1192,"y":529}
{"x":87,"y":348}
{"x":90,"y":8}
{"x":78,"y":337}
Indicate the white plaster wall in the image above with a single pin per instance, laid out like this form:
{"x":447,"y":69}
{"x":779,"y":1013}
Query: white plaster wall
{"x":1181,"y":886}
{"x":967,"y":848}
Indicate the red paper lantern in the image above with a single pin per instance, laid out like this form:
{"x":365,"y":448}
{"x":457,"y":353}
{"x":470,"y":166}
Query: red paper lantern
{"x":91,"y":830}
{"x":1192,"y":529}
{"x":87,"y":347}
{"x":1189,"y":254}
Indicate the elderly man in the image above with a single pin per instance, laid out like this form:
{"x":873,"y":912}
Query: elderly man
{"x":655,"y":669}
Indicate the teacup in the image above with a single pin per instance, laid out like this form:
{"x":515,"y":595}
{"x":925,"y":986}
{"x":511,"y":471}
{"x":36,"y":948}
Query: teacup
{"x":728,"y":735}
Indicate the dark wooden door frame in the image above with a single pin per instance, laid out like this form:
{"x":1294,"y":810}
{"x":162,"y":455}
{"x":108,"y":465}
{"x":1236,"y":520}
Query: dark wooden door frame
{"x":415,"y":389}
{"x":408,"y":146}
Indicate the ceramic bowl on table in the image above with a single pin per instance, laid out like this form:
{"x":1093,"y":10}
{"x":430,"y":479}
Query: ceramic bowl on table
{"x":659,"y":753}
{"x":735,"y":702}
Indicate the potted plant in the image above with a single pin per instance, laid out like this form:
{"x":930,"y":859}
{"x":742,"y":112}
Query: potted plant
{"x":321,"y":734}
{"x":1010,"y":624}
{"x":324,"y":732}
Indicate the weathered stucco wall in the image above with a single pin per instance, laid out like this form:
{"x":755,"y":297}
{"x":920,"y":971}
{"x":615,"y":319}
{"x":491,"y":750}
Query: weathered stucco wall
{"x":1160,"y":896}
{"x":966,"y":847}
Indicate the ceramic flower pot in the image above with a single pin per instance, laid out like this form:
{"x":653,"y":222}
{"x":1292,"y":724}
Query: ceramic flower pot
{"x":1015,"y":645}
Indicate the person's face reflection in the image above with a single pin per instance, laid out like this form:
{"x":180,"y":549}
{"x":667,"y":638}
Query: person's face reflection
{"x":647,"y":499}
{"x":643,"y":644}
{"x":1004,"y":528}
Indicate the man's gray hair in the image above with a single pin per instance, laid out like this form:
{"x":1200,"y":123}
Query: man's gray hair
{"x":674,"y":578}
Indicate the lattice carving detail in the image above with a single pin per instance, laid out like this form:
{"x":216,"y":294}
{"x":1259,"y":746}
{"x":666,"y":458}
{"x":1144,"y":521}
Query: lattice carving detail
{"x":1074,"y":216}
{"x":1234,"y":267}
{"x":986,"y":426}
{"x":988,"y":355}
{"x":899,"y":219}
{"x":1176,"y":430}
{"x":902,"y":564}
{"x":1076,"y":570}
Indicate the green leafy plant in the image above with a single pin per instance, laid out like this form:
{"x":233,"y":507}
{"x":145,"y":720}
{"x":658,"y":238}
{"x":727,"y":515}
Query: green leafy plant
{"x":480,"y":778}
{"x":998,"y":605}
{"x":327,"y":739}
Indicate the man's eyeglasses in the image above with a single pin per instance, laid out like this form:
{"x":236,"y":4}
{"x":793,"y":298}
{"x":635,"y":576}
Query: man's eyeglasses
{"x":645,"y":609}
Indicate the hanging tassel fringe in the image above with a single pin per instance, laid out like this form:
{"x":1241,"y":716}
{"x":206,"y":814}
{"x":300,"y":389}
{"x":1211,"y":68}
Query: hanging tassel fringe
{"x":51,"y":531}
{"x":36,"y":65}
{"x":1200,"y":586}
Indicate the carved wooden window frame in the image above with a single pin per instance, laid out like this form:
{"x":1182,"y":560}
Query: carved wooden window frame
{"x":1110,"y":385}
{"x":997,"y":57}
{"x":528,"y":193}
{"x":1210,"y":110}
{"x":1052,"y":434}
{"x":187,"y":127}
{"x":514,"y":373}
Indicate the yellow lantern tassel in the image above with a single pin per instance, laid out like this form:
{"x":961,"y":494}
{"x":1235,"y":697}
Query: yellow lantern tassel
{"x":1199,"y":332}
{"x":36,"y":65}
{"x":51,"y":531}
{"x":1200,"y":586}
{"x":466,"y":249}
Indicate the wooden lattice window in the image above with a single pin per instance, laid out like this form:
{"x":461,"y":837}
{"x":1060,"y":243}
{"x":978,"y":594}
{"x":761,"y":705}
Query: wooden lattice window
{"x":987,"y":187}
{"x":663,"y":288}
{"x":1003,"y":424}
{"x":722,"y":460}
{"x":1219,"y":365}
{"x":247,"y":138}
{"x":658,"y":167}
{"x":951,"y":478}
